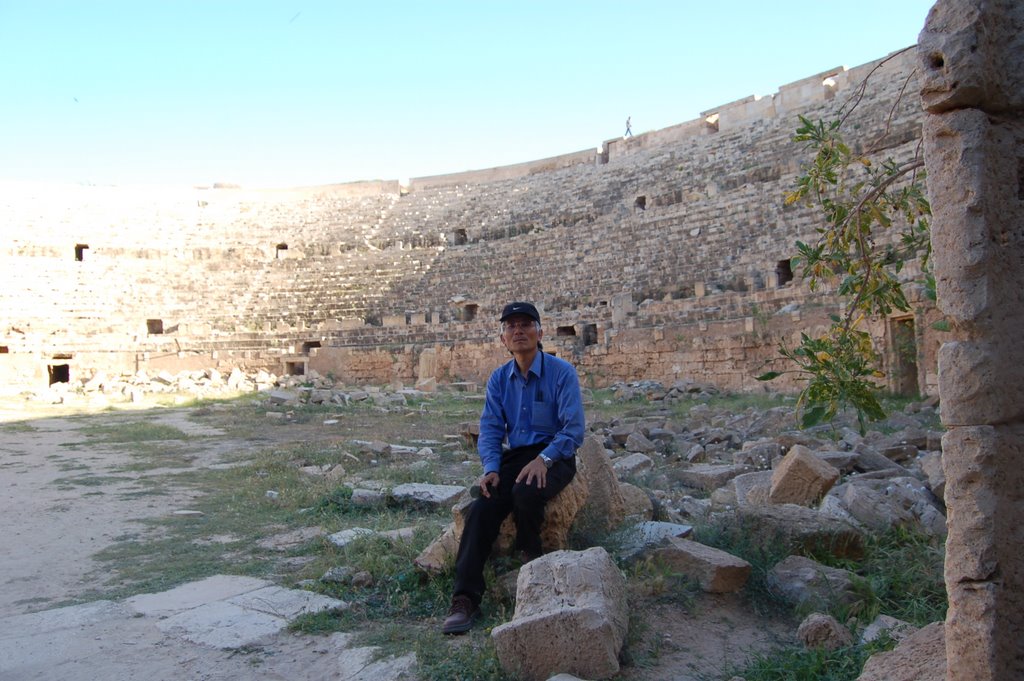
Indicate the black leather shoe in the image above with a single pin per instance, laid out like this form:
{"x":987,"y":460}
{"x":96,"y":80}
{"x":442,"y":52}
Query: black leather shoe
{"x":461,"y":615}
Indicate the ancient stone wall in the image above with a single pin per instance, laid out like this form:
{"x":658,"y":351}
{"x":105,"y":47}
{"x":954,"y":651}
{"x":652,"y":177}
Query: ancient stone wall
{"x":973,"y":90}
{"x":660,"y":256}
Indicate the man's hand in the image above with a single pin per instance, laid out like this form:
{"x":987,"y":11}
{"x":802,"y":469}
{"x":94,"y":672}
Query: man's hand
{"x":535,"y":470}
{"x":489,"y":480}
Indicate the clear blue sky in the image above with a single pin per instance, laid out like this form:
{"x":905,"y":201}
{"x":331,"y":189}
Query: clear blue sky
{"x":307,"y":92}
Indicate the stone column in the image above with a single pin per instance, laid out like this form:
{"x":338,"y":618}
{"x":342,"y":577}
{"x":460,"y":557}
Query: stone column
{"x":972,"y":54}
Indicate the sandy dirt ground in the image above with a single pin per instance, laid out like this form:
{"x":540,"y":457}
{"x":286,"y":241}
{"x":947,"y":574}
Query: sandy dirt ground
{"x":49,"y":535}
{"x":52,"y":529}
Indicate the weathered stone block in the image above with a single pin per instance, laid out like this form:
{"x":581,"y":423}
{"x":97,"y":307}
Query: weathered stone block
{"x":970,"y":55}
{"x":633,"y":464}
{"x":823,"y":631}
{"x":637,"y":504}
{"x":984,"y":569}
{"x":919,"y":657}
{"x":709,"y":476}
{"x":571,"y":617}
{"x":801,"y":478}
{"x":605,"y":506}
{"x":804,"y":526}
{"x":805,"y":582}
{"x":421,"y":495}
{"x":716,"y":570}
{"x":559,"y":515}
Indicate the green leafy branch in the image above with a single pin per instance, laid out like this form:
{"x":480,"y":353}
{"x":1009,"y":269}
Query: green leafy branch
{"x":861,"y":202}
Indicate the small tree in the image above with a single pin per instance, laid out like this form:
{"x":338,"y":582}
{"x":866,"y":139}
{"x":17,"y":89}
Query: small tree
{"x":860,"y":201}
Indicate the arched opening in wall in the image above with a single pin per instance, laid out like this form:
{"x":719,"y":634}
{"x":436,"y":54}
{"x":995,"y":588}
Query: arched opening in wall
{"x":281,"y":251}
{"x":640,"y":203}
{"x":711,"y":122}
{"x":565,"y":331}
{"x":589,"y":334}
{"x":829,"y":85}
{"x":309,"y":345}
{"x":295,"y":368}
{"x":59,"y":373}
{"x":783,"y":272}
{"x":154,"y":327}
{"x":459,"y":237}
{"x":80,"y":250}
{"x":904,"y":356}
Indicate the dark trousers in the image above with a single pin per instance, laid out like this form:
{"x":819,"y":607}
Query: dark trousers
{"x":485,"y":516}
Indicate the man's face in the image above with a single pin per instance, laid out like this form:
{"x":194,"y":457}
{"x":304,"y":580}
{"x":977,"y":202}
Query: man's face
{"x":519,"y":333}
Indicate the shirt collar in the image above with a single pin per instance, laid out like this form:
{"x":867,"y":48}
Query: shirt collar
{"x":536,"y":366}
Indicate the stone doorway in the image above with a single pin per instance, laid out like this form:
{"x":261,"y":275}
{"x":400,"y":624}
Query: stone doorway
{"x":59,"y":373}
{"x":903,"y":335}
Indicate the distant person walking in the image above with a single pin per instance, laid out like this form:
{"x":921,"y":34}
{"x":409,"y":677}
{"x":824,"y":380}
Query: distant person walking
{"x":629,"y":127}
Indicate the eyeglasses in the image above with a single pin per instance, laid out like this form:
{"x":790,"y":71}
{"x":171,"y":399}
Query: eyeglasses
{"x":514,"y":326}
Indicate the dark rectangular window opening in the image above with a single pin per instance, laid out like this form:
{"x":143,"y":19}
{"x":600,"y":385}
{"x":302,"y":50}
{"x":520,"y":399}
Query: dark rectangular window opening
{"x":59,"y":373}
{"x":460,"y":237}
{"x":589,"y":334}
{"x":154,"y":327}
{"x":565,"y":331}
{"x":4,"y":350}
{"x":80,"y":250}
{"x":309,"y":345}
{"x":295,"y":368}
{"x":640,"y":203}
{"x":784,"y":272}
{"x":467,"y":313}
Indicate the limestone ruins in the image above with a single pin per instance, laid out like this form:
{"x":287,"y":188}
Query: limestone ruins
{"x":663,"y":256}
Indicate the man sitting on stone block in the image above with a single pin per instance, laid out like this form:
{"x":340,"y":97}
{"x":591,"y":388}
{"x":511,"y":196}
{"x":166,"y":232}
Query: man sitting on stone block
{"x":533,"y":404}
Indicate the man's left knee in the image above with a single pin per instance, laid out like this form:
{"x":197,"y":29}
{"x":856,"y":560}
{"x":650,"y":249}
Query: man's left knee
{"x":523,"y":493}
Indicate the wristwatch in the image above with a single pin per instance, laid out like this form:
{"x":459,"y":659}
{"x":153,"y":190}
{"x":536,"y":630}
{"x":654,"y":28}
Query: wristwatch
{"x":546,"y":460}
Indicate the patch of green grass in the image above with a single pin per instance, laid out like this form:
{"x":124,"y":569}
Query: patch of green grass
{"x":817,"y":664}
{"x":901,"y":575}
{"x":400,"y":474}
{"x":72,"y":465}
{"x":87,"y":481}
{"x":642,"y":646}
{"x":660,"y":584}
{"x":650,"y":584}
{"x":133,"y":431}
{"x":18,"y":427}
{"x":157,"y":454}
{"x":399,"y":590}
{"x":738,"y":537}
{"x":470,"y":657}
{"x":234,"y":503}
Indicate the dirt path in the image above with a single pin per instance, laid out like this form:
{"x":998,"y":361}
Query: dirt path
{"x":64,"y":499}
{"x":54,"y":520}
